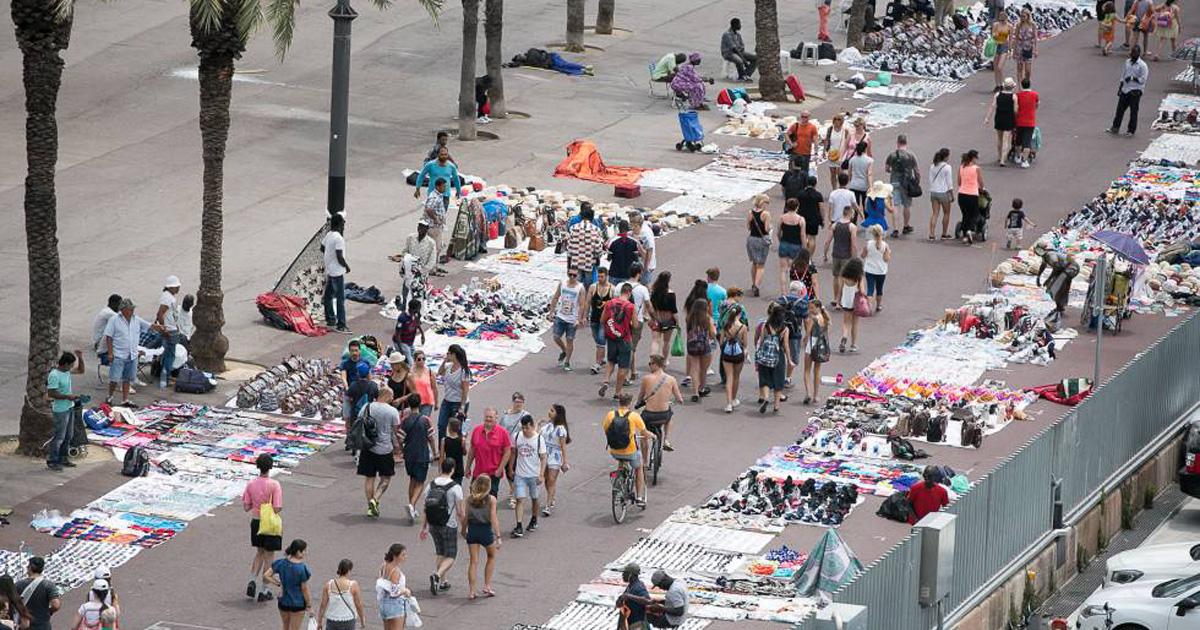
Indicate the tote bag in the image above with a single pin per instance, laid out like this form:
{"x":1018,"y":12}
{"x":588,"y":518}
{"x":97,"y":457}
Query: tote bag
{"x":269,"y":522}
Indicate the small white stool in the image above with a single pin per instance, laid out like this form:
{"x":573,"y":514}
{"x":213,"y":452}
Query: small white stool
{"x":728,"y":70}
{"x":809,"y":54}
{"x":785,"y":61}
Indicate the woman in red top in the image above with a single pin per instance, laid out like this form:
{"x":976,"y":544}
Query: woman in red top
{"x":1027,"y":104}
{"x":927,"y":496}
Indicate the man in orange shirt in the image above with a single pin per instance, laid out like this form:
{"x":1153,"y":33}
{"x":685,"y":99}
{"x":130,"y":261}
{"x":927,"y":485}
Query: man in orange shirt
{"x":801,"y":138}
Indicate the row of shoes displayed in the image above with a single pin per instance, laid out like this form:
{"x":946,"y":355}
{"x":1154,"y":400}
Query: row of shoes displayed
{"x":308,"y":387}
{"x":810,"y":501}
{"x":479,"y":307}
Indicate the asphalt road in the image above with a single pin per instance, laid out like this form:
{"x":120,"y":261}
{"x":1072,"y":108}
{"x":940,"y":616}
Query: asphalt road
{"x":131,"y":163}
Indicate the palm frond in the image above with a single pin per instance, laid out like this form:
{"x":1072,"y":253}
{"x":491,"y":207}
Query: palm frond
{"x":249,"y":18}
{"x":63,"y":9}
{"x":282,"y":16}
{"x":208,"y":14}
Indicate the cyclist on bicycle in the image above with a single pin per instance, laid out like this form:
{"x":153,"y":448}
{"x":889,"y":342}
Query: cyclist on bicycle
{"x":657,"y":392}
{"x":626,"y":435}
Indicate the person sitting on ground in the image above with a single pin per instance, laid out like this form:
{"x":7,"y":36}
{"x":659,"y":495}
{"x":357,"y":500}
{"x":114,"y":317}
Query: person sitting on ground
{"x":733,"y":50}
{"x":671,"y":610}
{"x":927,"y":496}
{"x":664,"y":70}
{"x":689,"y":84}
{"x":443,"y":139}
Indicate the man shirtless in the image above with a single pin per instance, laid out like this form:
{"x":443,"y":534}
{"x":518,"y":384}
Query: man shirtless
{"x":657,"y":392}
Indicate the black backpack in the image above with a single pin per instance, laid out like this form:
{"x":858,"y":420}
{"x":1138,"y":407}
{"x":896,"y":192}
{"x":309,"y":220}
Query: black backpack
{"x":137,"y":462}
{"x":617,"y":432}
{"x":437,"y":504}
{"x":192,"y":381}
{"x":896,"y":508}
{"x":363,"y":432}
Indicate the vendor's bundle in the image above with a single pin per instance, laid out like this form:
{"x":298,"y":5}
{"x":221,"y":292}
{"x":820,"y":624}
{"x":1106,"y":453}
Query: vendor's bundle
{"x":309,"y":387}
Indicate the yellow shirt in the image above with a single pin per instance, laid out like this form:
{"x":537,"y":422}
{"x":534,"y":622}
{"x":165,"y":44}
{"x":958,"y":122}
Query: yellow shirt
{"x":636,"y":426}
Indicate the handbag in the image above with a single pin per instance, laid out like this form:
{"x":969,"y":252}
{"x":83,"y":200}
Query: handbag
{"x":677,"y":346}
{"x":862,"y":306}
{"x":269,"y":522}
{"x":820,"y":348}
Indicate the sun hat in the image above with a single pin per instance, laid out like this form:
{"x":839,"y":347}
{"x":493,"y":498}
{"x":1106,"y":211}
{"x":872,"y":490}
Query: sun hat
{"x":879,"y":189}
{"x":172,"y":282}
{"x":396,"y":357}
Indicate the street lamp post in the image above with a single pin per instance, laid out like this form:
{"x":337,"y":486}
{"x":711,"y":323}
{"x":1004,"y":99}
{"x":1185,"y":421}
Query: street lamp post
{"x":339,"y":105}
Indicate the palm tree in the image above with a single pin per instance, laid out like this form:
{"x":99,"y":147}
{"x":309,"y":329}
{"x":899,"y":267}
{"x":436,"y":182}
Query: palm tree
{"x":604,"y":17}
{"x":766,"y":46}
{"x":575,"y":11}
{"x":858,"y":19}
{"x":43,"y":31}
{"x":220,"y":30}
{"x":466,"y":80}
{"x":493,"y":31}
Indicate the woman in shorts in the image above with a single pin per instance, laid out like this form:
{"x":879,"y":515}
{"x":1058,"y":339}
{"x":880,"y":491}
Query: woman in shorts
{"x":482,"y":533}
{"x":941,"y":192}
{"x":556,"y":435}
{"x":733,"y":341}
{"x":852,"y":285}
{"x":758,"y":243}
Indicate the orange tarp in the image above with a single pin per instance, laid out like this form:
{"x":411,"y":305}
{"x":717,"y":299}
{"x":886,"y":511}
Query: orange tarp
{"x":583,"y":162}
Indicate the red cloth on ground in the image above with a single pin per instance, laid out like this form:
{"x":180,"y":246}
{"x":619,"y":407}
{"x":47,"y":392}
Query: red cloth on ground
{"x":1053,"y":393}
{"x":291,"y":308}
{"x":926,"y":499}
{"x":583,"y":162}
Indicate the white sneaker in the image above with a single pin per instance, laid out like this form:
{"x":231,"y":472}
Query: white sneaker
{"x":737,"y":403}
{"x":412,"y":513}
{"x":1024,"y":164}
{"x":483,"y":120}
{"x":729,"y":408}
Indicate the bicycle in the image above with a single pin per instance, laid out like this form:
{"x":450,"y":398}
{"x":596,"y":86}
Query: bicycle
{"x":655,"y":454}
{"x":624,"y":488}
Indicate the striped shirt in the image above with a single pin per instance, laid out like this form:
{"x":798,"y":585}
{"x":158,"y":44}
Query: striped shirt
{"x":585,"y":243}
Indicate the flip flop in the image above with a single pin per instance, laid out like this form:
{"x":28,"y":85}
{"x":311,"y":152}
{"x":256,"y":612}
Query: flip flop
{"x":489,"y":593}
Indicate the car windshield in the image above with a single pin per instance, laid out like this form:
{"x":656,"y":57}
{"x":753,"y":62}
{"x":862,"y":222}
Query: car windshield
{"x":1175,"y":588}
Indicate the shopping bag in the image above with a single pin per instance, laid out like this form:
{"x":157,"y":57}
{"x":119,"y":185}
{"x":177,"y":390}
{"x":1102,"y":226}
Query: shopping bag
{"x":312,"y":622}
{"x":677,"y":346}
{"x":989,"y":48}
{"x":862,"y":306}
{"x":411,"y":618}
{"x":269,"y":522}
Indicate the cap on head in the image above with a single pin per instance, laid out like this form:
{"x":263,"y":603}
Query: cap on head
{"x":102,"y":573}
{"x":631,"y":571}
{"x":1009,"y":83}
{"x":100,"y":585}
{"x":172,"y":282}
{"x":423,"y":223}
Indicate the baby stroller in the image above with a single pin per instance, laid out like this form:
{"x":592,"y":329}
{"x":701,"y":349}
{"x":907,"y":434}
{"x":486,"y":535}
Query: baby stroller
{"x":693,"y":132}
{"x":980,"y":228}
{"x":1014,"y":151}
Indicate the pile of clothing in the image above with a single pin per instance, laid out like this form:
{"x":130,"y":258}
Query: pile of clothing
{"x":478,"y":312}
{"x":310,"y":388}
{"x":810,"y":502}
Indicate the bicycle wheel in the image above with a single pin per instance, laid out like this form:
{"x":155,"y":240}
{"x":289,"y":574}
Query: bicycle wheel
{"x":620,"y":490}
{"x":656,"y":455}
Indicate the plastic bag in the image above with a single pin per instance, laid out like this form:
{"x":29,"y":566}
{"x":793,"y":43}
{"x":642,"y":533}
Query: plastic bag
{"x":411,"y":618}
{"x":989,"y":47}
{"x":677,"y":346}
{"x":312,"y":622}
{"x":269,"y":523}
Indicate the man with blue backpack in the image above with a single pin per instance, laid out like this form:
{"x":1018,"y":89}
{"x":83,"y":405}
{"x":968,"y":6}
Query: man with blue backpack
{"x":795,"y":311}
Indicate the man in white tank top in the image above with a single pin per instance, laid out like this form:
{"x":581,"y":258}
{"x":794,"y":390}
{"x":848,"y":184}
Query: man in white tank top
{"x":568,"y":311}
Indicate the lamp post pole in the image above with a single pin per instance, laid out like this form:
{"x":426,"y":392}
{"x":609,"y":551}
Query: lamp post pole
{"x":339,"y":105}
{"x":1098,"y":310}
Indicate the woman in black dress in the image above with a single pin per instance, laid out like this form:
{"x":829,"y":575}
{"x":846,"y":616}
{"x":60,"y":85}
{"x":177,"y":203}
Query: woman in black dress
{"x":1004,"y":108}
{"x":663,"y":310}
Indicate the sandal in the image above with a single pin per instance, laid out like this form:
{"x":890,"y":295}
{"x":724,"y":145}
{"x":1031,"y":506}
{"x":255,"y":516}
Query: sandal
{"x":946,"y":237}
{"x":931,"y":238}
{"x":487,"y":592}
{"x":842,"y":346}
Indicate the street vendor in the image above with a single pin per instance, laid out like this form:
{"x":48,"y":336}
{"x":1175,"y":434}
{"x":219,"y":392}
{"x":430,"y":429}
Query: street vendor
{"x":664,"y":70}
{"x":689,"y":84}
{"x":1063,"y":270}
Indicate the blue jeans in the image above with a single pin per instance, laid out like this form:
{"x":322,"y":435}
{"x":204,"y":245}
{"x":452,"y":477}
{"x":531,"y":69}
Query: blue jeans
{"x":448,"y":410}
{"x":56,"y":453}
{"x":335,"y":289}
{"x":167,"y":361}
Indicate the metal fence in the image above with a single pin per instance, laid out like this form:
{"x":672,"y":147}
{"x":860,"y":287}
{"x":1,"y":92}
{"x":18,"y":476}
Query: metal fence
{"x":1011,"y":508}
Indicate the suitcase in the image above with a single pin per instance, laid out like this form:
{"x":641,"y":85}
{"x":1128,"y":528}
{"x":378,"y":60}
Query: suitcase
{"x":794,"y":86}
{"x":627,"y":191}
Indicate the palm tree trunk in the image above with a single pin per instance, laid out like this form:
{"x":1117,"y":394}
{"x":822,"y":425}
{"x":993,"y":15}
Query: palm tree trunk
{"x":858,"y":19}
{"x":604,"y":17}
{"x":41,"y":34}
{"x":466,"y":82}
{"x":766,"y":46}
{"x":575,"y":11}
{"x":209,"y":345}
{"x":493,"y":31}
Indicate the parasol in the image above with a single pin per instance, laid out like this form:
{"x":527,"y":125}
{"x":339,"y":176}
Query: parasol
{"x":1123,"y":244}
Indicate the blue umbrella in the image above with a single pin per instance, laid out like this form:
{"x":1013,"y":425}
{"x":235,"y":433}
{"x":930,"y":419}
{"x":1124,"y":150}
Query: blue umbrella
{"x":1123,"y":244}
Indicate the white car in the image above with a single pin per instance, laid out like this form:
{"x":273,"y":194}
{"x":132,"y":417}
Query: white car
{"x":1144,"y":605}
{"x":1153,"y":563}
